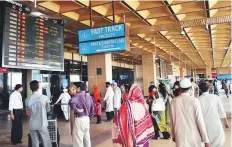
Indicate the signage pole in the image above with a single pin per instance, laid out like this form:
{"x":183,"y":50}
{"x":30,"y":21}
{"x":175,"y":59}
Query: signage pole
{"x":185,"y":64}
{"x":113,"y":18}
{"x":113,"y":11}
{"x":72,"y":63}
{"x":90,"y":9}
{"x":81,"y":68}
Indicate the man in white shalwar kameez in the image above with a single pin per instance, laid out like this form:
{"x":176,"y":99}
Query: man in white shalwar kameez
{"x":213,"y":112}
{"x":64,"y":97}
{"x":109,"y":102}
{"x":187,"y":123}
{"x":117,"y":97}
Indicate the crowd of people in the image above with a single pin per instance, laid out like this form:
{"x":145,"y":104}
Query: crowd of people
{"x":189,"y":113}
{"x":184,"y":113}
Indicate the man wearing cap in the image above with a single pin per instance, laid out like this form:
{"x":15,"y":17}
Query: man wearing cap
{"x":117,"y":97}
{"x":187,"y":123}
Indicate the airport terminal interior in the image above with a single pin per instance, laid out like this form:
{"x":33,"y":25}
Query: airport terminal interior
{"x":63,"y":43}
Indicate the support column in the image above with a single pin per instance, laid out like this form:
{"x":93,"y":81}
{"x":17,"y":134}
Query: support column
{"x":175,"y":70}
{"x":103,"y":63}
{"x":181,"y":72}
{"x":138,"y":75}
{"x":185,"y":72}
{"x":29,"y":79}
{"x":208,"y":71}
{"x":169,"y":68}
{"x":149,"y":71}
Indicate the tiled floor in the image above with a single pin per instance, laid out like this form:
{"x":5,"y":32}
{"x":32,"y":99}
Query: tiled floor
{"x":100,"y":134}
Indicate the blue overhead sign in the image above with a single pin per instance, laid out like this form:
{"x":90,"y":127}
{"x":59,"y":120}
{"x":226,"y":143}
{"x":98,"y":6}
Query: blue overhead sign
{"x":224,"y":76}
{"x":103,"y":46}
{"x":106,"y":32}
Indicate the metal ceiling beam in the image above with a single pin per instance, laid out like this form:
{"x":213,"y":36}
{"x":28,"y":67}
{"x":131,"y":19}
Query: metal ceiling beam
{"x":106,"y":2}
{"x":136,"y":13}
{"x":104,"y":17}
{"x":229,"y":64}
{"x":219,"y":50}
{"x":155,"y":7}
{"x":173,"y":13}
{"x":177,"y":48}
{"x":206,"y":2}
{"x":161,"y":49}
{"x":194,"y":46}
{"x":186,"y":24}
{"x":226,"y":51}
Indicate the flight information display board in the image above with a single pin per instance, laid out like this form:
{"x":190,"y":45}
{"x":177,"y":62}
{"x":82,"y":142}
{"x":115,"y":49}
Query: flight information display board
{"x":31,"y":42}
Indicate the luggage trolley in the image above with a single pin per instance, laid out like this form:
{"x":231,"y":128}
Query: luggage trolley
{"x":52,"y":129}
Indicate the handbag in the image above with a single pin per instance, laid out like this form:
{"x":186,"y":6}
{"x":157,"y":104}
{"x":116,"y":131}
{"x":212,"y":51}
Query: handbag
{"x":158,"y":105}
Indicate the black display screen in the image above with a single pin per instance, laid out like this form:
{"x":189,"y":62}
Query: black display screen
{"x":31,"y":42}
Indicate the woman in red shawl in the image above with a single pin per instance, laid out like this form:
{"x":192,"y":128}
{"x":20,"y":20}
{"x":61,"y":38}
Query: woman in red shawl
{"x":132,"y":125}
{"x":96,"y":93}
{"x":125,"y":95}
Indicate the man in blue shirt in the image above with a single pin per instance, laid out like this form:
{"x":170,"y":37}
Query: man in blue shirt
{"x":82,"y":105}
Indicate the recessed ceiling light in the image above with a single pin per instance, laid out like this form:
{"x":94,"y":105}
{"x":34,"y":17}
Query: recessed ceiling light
{"x":182,"y":31}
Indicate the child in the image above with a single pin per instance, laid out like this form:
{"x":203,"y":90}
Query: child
{"x":98,"y":109}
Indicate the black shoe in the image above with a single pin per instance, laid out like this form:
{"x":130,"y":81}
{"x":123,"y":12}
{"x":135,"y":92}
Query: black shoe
{"x":20,"y":142}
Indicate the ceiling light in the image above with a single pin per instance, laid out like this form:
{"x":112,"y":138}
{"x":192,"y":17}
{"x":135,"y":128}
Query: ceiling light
{"x":206,"y":27}
{"x":182,"y":31}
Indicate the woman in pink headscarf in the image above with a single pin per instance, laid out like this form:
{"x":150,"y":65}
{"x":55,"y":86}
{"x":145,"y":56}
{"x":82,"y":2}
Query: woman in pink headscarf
{"x":132,"y":125}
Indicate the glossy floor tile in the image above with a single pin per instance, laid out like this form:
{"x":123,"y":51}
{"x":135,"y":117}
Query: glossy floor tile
{"x":100,"y":133}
